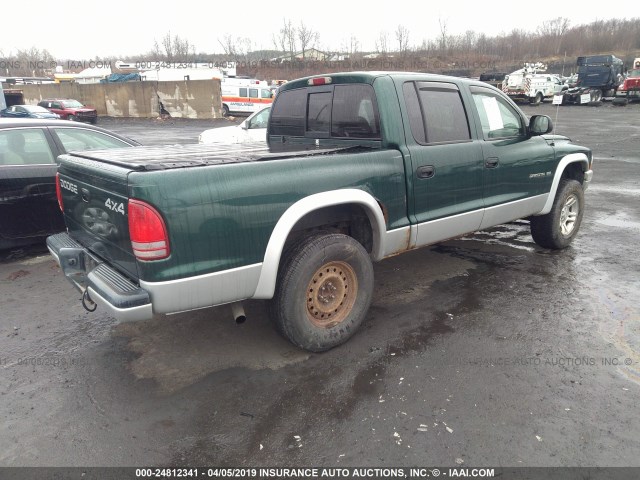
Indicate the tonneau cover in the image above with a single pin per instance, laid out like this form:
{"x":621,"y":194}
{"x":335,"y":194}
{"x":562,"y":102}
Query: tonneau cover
{"x":182,"y":156}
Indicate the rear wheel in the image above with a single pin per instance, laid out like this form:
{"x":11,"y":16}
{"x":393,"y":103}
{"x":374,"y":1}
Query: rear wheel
{"x":225,"y":111}
{"x":324,"y":290}
{"x":537,"y":100}
{"x":557,"y":228}
{"x":596,"y":96}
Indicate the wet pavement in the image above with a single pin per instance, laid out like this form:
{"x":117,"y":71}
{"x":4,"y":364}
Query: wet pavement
{"x":486,"y":350}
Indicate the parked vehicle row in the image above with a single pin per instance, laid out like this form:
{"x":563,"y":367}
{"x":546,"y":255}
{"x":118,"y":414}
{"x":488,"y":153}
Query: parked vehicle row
{"x":52,"y":108}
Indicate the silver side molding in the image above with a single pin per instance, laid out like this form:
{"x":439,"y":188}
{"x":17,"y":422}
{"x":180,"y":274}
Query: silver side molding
{"x":201,"y":291}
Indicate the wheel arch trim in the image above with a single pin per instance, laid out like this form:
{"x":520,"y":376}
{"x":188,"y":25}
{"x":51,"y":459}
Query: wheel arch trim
{"x":268,"y":275}
{"x":564,"y":162}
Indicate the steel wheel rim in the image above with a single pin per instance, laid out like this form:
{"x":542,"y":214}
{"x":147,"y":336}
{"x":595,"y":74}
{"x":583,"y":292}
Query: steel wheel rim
{"x":569,"y":215}
{"x":331,"y":294}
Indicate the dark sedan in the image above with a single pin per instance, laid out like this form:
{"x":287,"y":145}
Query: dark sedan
{"x":28,"y":150}
{"x":28,"y":111}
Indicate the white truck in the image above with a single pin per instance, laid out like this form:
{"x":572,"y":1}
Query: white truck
{"x":531,"y":84}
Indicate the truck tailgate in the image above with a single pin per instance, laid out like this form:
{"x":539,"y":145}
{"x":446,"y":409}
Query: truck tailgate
{"x":95,"y":202}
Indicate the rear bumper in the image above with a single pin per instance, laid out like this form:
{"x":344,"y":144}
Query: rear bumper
{"x":107,"y":287}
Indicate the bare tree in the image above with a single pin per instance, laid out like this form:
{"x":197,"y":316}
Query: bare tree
{"x":228,"y":45}
{"x":280,"y":41}
{"x":402,"y":36}
{"x":382,"y":43}
{"x":32,"y":62}
{"x":554,"y":30}
{"x":167,"y":44}
{"x":290,"y":34}
{"x":443,"y":34}
{"x":307,"y":38}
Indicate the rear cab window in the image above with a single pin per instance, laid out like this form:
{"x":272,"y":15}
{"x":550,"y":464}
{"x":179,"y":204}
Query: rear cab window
{"x":348,"y":111}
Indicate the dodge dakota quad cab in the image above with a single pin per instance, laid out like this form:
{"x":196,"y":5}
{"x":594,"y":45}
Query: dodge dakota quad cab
{"x":358,"y":167}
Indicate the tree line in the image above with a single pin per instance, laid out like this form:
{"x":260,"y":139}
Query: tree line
{"x":553,"y":39}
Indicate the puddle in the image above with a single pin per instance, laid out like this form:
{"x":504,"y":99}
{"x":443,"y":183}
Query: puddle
{"x":620,"y":220}
{"x":179,"y":350}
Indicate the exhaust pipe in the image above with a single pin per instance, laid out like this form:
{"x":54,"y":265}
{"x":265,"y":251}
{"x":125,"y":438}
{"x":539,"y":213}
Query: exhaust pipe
{"x":237,"y":310}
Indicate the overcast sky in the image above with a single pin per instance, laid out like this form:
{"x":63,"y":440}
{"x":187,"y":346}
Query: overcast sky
{"x":81,"y":29}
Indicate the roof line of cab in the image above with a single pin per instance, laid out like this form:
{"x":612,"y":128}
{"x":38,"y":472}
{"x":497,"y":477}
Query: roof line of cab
{"x":369,"y":77}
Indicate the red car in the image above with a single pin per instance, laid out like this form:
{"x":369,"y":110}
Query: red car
{"x":70,"y":109}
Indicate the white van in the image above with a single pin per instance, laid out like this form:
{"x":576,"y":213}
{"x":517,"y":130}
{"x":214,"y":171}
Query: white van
{"x":242,"y":95}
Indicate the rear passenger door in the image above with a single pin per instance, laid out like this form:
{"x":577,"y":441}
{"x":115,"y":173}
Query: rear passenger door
{"x":446,"y":162}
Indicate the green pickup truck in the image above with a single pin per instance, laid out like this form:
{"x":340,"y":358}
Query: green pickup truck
{"x":358,"y":167}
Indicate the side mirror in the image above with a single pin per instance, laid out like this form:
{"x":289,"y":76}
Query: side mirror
{"x":244,"y":125}
{"x":540,"y":124}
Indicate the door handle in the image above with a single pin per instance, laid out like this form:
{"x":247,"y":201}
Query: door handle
{"x":426,"y":171}
{"x":491,"y":162}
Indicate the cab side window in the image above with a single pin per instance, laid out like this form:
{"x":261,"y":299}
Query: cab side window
{"x":243,"y":92}
{"x":436,"y":112}
{"x":497,"y":117}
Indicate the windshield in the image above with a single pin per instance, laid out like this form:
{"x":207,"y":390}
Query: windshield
{"x":634,"y":73}
{"x":72,"y":104}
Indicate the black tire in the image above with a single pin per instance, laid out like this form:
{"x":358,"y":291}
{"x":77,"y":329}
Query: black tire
{"x":225,"y":111}
{"x":323,"y":292}
{"x":558,"y":228}
{"x":71,"y":118}
{"x":537,"y":100}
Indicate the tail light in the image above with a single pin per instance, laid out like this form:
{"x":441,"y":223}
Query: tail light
{"x":147,"y":231}
{"x":59,"y":192}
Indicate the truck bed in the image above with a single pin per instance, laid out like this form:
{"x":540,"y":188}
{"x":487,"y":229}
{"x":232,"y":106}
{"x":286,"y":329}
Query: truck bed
{"x":183,"y":156}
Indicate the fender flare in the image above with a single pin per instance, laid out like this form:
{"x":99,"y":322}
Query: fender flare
{"x":269,"y":272}
{"x":566,"y":160}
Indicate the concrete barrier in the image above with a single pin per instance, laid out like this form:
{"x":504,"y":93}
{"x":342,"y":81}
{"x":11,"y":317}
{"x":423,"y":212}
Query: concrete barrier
{"x":182,"y":99}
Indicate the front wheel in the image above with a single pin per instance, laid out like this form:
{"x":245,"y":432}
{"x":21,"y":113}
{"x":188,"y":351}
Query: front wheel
{"x":71,"y":118}
{"x":557,"y":228}
{"x":324,"y":289}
